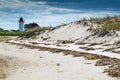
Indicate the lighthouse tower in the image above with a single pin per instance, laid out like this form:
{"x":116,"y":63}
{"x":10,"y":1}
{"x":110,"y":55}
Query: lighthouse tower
{"x":21,"y":24}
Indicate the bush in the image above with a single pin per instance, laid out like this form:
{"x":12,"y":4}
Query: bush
{"x":26,"y":34}
{"x":8,"y":33}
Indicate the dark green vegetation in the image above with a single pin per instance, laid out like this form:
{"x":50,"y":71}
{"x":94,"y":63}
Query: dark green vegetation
{"x":10,"y":33}
{"x":28,"y":33}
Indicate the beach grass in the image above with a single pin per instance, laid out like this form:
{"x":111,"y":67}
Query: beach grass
{"x":4,"y":38}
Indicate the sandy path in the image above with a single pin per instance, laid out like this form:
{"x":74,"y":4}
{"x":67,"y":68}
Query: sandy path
{"x":31,"y":64}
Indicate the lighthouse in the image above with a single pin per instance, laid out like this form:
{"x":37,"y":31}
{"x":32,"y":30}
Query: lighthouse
{"x":21,"y":24}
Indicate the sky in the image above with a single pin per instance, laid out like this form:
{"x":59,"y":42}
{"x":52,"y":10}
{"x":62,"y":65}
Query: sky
{"x":53,"y":12}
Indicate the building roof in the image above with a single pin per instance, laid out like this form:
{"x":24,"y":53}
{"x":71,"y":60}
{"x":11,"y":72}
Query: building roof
{"x":31,"y":25}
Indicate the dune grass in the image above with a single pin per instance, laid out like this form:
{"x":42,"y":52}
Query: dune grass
{"x":108,"y":22}
{"x":5,"y":38}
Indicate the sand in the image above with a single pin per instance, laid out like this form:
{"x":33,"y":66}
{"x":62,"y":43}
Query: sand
{"x":19,"y":63}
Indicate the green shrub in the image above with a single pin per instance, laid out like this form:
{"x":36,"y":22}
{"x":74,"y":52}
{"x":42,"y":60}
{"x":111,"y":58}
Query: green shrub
{"x":11,"y":33}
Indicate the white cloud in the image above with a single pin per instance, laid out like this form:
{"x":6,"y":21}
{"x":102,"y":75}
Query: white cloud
{"x":15,"y":4}
{"x":62,"y":9}
{"x":30,"y":6}
{"x":65,"y":18}
{"x":42,"y":14}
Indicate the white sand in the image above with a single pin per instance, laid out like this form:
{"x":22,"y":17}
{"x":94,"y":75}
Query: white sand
{"x":42,"y":65}
{"x":73,"y":47}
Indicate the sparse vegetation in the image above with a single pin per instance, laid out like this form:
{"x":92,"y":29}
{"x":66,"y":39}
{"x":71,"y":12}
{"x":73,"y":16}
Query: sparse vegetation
{"x":61,"y":25}
{"x":65,"y":41}
{"x":108,"y":49}
{"x":4,"y":38}
{"x":33,"y":32}
{"x":114,"y":70}
{"x":108,"y":22}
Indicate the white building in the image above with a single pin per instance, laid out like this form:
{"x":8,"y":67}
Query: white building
{"x":21,"y":24}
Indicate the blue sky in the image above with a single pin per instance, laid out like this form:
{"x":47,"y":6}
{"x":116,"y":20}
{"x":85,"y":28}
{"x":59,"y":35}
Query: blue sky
{"x":53,"y":12}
